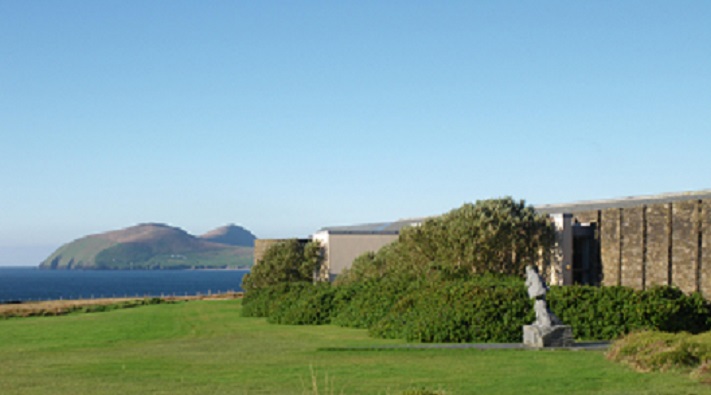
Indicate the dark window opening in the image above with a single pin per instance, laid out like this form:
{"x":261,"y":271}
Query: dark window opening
{"x":586,"y":267}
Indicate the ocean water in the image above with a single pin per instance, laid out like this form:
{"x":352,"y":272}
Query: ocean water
{"x":28,"y":284}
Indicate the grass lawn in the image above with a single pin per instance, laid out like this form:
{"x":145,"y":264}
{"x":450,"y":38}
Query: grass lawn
{"x":206,"y":347}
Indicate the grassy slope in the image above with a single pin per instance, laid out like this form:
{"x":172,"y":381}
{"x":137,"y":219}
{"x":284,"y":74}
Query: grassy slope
{"x":207,"y":347}
{"x":147,"y":246}
{"x":82,"y":251}
{"x":85,"y":251}
{"x":217,"y":258}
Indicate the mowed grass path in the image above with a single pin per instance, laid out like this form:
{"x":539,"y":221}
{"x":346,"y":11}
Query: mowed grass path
{"x":206,"y":347}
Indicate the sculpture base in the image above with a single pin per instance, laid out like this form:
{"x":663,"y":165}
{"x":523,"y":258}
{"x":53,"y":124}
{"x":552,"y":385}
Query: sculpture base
{"x":553,"y":336}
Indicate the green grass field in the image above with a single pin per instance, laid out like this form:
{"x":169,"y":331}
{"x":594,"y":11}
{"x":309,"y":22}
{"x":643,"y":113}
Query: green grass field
{"x":206,"y":347}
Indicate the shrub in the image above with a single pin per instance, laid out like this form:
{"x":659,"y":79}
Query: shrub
{"x":304,"y":304}
{"x":492,"y":236}
{"x":295,"y":303}
{"x":481,"y":309}
{"x":610,"y":312}
{"x":486,"y":309}
{"x":362,"y":304}
{"x":493,"y":309}
{"x":284,"y":262}
{"x":260,"y":302}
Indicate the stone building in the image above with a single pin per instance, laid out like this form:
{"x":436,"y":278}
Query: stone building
{"x":341,"y":245}
{"x":635,"y":241}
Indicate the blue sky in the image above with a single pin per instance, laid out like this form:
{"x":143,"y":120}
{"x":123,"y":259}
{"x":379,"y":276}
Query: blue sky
{"x":285,"y":117}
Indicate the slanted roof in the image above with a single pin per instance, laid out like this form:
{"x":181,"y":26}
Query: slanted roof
{"x":379,"y":228}
{"x":625,"y":202}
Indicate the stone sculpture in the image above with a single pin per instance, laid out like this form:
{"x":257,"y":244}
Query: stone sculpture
{"x":537,"y":291}
{"x":547,"y":330}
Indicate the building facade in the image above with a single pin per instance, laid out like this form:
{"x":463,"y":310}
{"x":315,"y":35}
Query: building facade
{"x":342,"y":245}
{"x":638,"y":242}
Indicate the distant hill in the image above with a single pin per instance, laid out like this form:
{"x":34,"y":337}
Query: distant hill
{"x":155,"y":246}
{"x":232,"y":235}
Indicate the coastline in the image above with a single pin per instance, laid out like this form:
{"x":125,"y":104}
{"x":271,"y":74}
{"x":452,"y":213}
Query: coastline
{"x":33,"y":284}
{"x":65,"y":306}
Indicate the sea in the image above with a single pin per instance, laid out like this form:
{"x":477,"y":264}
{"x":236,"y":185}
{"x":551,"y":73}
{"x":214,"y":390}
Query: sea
{"x":23,"y":284}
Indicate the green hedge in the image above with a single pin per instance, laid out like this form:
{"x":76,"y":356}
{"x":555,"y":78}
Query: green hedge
{"x":260,"y":302}
{"x":297,"y":303}
{"x":610,"y":312}
{"x":304,"y":305}
{"x":458,"y":311}
{"x":481,"y":309}
{"x":363,"y":304}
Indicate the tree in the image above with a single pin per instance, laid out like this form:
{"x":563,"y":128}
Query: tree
{"x":492,"y":236}
{"x":283,"y":262}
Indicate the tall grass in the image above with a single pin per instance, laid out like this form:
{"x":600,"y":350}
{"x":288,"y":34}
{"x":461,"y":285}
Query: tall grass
{"x":651,"y":351}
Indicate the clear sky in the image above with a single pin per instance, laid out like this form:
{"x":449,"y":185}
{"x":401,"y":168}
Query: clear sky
{"x":287,"y":116}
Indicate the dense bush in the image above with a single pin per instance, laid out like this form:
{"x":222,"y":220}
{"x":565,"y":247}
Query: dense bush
{"x":485,"y":309}
{"x":296,"y":303}
{"x":493,"y":309}
{"x":480,"y":309}
{"x":362,"y":304}
{"x":304,"y":304}
{"x":609,"y":312}
{"x":492,"y":236}
{"x":284,"y":262}
{"x":260,"y":302}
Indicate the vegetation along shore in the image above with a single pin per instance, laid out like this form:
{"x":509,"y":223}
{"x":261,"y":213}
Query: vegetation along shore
{"x":454,"y":279}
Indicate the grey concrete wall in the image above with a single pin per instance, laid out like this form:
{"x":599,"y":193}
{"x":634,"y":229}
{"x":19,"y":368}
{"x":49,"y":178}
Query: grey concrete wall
{"x":344,"y":248}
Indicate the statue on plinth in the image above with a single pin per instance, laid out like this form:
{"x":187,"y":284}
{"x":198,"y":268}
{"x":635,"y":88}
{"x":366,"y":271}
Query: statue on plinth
{"x":547,"y":330}
{"x":537,"y":291}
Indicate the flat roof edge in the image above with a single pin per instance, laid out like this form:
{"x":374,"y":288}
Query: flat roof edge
{"x":623,"y":202}
{"x":362,"y":232}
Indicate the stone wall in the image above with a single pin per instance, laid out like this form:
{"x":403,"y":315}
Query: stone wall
{"x":705,"y":269}
{"x":587,"y":217}
{"x":632,"y":247}
{"x":656,"y":244}
{"x":260,"y":247}
{"x":610,"y":254}
{"x":685,"y":245}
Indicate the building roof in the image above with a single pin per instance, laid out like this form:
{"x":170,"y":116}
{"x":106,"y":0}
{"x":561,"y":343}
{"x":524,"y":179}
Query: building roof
{"x":379,"y":228}
{"x":625,"y":202}
{"x":394,"y":227}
